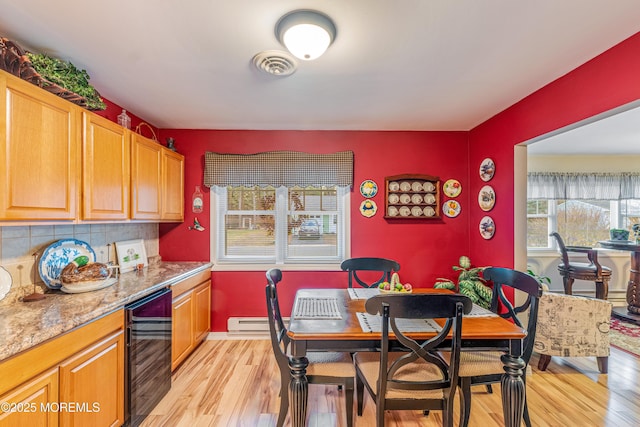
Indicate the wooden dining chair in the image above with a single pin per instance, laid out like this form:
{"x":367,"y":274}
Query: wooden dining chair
{"x":324,"y":367}
{"x":591,"y":271}
{"x":416,"y":378}
{"x":486,"y":367}
{"x":357,"y":265}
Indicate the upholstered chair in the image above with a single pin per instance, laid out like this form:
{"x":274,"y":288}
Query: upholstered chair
{"x":572,"y":326}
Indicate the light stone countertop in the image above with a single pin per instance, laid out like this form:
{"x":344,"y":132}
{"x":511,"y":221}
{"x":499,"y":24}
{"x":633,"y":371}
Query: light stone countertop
{"x":26,"y":324}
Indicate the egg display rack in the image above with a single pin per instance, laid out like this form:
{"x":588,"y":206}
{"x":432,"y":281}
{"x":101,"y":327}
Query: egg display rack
{"x":412,"y":196}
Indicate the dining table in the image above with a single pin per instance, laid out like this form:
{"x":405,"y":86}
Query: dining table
{"x":332,"y":320}
{"x":632,"y":311}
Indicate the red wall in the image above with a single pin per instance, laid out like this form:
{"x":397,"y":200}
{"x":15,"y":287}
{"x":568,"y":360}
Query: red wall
{"x":425,"y":249}
{"x":607,"y":81}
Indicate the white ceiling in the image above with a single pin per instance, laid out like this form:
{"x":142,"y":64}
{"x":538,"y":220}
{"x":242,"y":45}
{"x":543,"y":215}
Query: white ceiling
{"x":617,"y":133}
{"x":395,"y":65}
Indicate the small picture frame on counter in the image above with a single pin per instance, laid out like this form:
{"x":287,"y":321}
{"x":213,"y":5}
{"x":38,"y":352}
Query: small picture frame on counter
{"x":131,"y":255}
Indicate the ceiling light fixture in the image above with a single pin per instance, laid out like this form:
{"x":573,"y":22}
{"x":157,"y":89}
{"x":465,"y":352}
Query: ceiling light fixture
{"x":306,"y":33}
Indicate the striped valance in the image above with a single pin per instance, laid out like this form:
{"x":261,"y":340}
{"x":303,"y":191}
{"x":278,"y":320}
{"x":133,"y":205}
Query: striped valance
{"x":583,"y":186}
{"x":278,"y":168}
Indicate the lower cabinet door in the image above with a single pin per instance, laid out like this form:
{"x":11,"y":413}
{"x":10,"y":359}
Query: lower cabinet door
{"x":34,"y":403}
{"x":202,"y":309}
{"x":181,"y":328}
{"x":92,"y":382}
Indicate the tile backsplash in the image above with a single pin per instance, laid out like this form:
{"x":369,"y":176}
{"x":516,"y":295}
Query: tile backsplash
{"x":19,"y":243}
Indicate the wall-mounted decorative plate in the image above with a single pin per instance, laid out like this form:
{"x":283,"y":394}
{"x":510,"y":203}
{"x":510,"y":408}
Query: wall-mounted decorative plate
{"x":487,"y":227}
{"x":486,"y":198}
{"x":368,"y":208}
{"x":452,"y":188}
{"x":368,"y":188}
{"x":451,"y":208}
{"x":487,"y":169}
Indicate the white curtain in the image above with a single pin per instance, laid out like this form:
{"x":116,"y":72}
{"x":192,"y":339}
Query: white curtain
{"x":583,"y":186}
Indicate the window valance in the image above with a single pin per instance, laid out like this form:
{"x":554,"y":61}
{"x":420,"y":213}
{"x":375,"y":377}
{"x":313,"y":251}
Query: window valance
{"x":278,"y":168}
{"x":583,"y":186}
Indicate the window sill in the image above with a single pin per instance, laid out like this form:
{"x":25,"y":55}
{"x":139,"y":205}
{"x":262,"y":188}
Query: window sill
{"x":283,"y":267}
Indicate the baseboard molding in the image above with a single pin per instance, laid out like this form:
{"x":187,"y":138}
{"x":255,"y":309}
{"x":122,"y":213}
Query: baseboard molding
{"x":221,"y":336}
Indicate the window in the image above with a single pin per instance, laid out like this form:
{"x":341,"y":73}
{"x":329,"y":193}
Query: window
{"x":298,"y":225}
{"x":279,"y":208}
{"x":580,"y":222}
{"x":581,"y":207}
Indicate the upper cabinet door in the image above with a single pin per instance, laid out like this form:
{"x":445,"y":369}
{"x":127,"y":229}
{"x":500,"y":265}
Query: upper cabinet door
{"x":105,"y":159}
{"x":146,"y":178}
{"x":172,"y":186}
{"x":39,"y":152}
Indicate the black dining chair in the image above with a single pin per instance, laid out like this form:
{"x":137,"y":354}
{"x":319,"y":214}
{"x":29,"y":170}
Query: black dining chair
{"x":417,"y":377}
{"x":486,"y":367}
{"x":324,"y":367}
{"x":591,"y":271}
{"x":357,"y":265}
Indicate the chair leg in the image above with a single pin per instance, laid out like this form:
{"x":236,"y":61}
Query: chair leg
{"x":348,"y":402}
{"x":284,"y":403}
{"x":447,"y":414}
{"x":465,"y":401}
{"x":568,"y":284}
{"x":525,"y":415}
{"x":489,"y":389}
{"x":380,"y":412}
{"x":359,"y":394}
{"x":602,"y":289}
{"x":603,"y":364}
{"x":544,"y":362}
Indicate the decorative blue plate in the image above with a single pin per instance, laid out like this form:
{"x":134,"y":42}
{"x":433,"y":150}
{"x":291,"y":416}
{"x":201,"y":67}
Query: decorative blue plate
{"x":57,"y":256}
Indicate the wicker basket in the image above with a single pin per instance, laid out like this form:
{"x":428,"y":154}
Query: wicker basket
{"x":14,"y":60}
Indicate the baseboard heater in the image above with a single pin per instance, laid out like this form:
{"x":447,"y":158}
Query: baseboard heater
{"x":249,"y":325}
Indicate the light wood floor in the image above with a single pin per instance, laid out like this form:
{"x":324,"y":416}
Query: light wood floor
{"x":235,"y":383}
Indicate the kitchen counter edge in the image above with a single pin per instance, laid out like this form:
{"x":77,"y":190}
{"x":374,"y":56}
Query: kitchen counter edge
{"x":26,"y":325}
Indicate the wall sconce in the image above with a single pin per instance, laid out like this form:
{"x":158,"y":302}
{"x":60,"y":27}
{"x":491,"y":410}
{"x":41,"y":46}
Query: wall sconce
{"x":306,"y":33}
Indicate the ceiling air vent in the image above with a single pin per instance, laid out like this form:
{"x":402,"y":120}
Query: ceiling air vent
{"x":275,"y":62}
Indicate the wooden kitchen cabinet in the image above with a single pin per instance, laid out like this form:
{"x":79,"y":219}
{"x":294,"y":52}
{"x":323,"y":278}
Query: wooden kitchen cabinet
{"x":172,"y":186}
{"x":29,"y":400}
{"x":191,"y":315}
{"x":84,"y":366}
{"x":146,"y":178}
{"x":202,"y":311}
{"x":106,"y":169}
{"x":95,"y":378}
{"x":182,"y":342}
{"x":39,"y":153}
{"x":63,"y":163}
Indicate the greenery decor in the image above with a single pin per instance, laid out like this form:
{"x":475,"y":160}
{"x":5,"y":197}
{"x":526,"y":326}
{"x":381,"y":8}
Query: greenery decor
{"x":470,"y":283}
{"x":66,"y":75}
{"x":544,"y":281}
{"x":619,"y":234}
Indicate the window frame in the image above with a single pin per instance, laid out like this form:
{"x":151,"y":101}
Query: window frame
{"x":221,"y":263}
{"x":616,"y":217}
